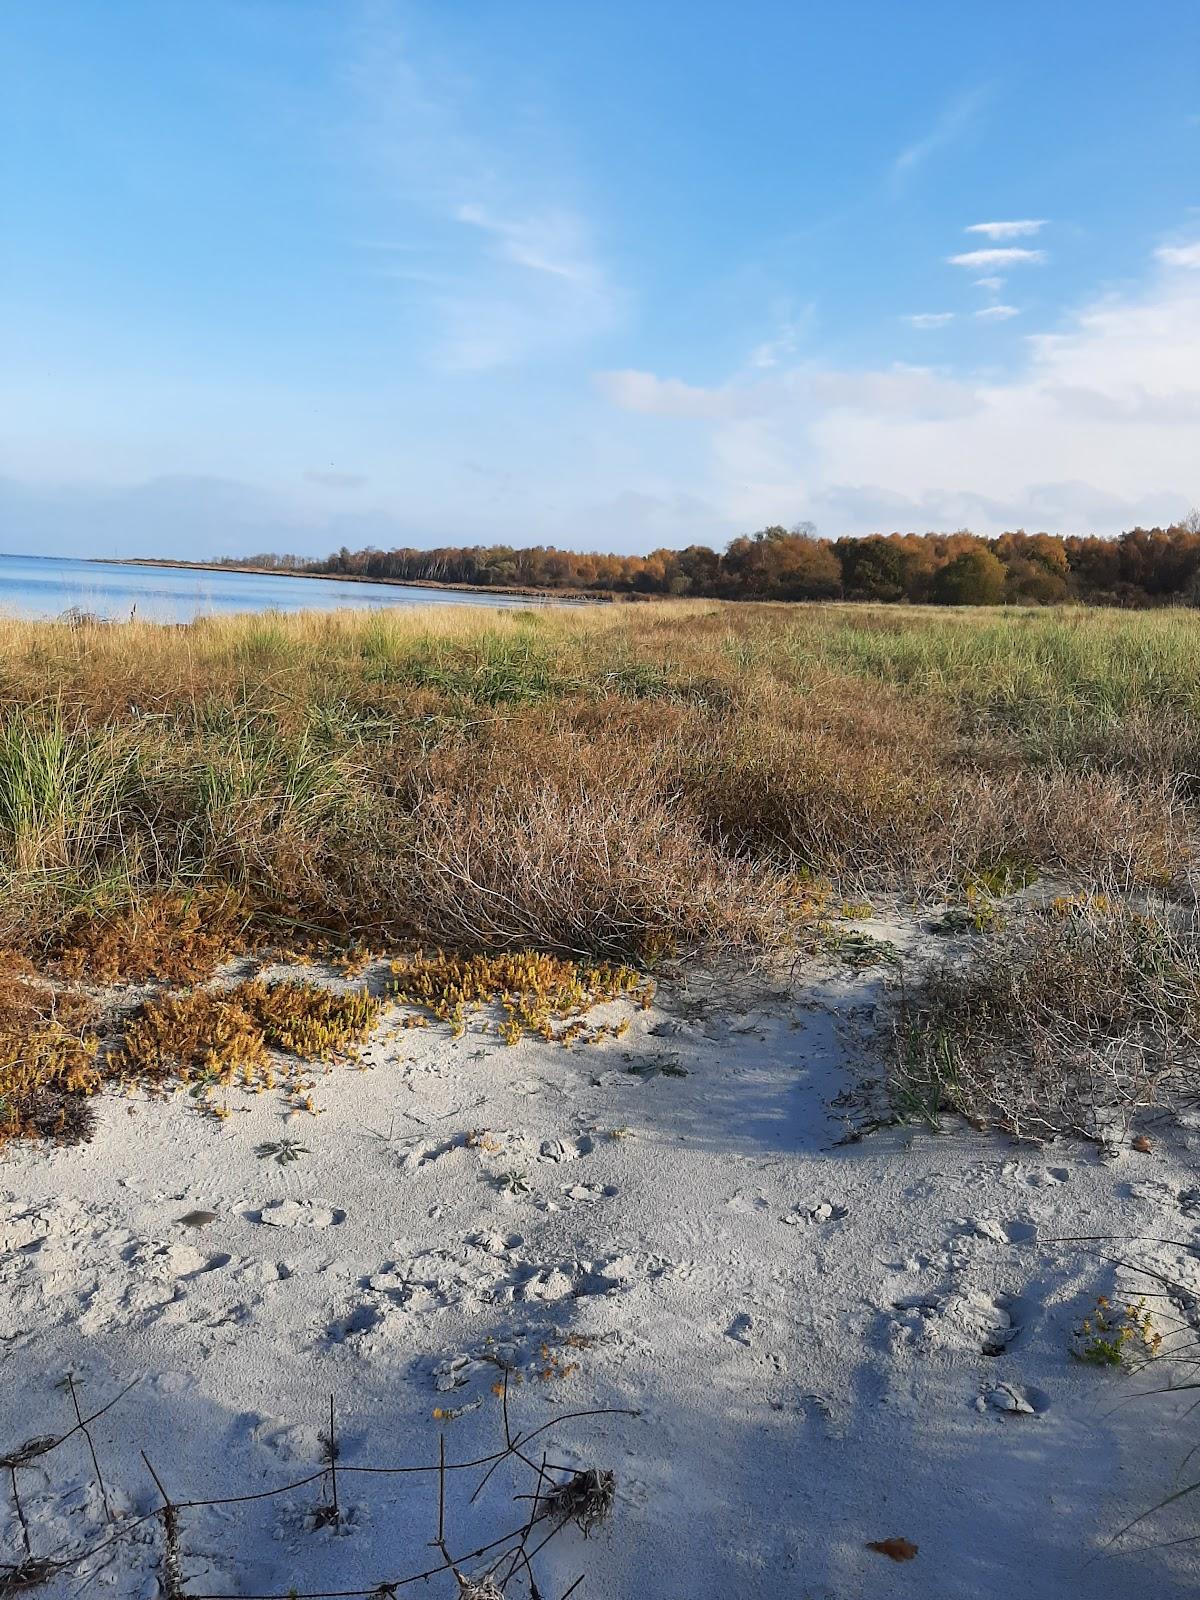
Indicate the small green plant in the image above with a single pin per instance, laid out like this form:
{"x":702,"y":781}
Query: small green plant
{"x":513,"y":1182}
{"x":1001,"y":878}
{"x":1115,"y":1336}
{"x":282,"y":1151}
{"x":978,"y":915}
{"x":861,"y":950}
{"x":924,"y":1075}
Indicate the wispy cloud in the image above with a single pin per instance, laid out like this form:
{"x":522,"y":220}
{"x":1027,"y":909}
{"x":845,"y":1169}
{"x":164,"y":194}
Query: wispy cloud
{"x":551,"y":242}
{"x":954,"y":121}
{"x":998,"y":313}
{"x":930,"y":319}
{"x":783,"y":343}
{"x":996,"y":258}
{"x":1008,"y":230}
{"x":524,"y":277}
{"x":1179,"y":255}
{"x":992,"y":285}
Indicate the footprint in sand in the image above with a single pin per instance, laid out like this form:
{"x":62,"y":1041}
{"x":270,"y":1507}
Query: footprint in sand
{"x":1035,"y":1177}
{"x":566,"y":1149}
{"x":741,"y":1329}
{"x":958,"y":1320}
{"x":299,"y":1214}
{"x":990,"y":1228}
{"x":588,"y":1193}
{"x":1012,"y":1400}
{"x":814,"y":1215}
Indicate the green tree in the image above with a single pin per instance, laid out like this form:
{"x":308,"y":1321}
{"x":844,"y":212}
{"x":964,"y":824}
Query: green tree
{"x":975,"y":578}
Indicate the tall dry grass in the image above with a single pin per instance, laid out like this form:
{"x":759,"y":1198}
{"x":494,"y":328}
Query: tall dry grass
{"x":597,"y":781}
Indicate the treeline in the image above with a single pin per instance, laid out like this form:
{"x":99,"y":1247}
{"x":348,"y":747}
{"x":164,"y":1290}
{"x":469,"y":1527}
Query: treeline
{"x":1144,"y":567}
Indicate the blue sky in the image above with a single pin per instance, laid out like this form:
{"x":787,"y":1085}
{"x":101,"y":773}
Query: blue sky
{"x":286,"y":274}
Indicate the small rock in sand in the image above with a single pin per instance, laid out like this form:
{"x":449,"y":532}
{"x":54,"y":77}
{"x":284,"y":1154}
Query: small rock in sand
{"x":197,"y":1219}
{"x":1008,"y":1398}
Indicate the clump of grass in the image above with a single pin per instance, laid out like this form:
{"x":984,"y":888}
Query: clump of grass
{"x":538,"y":993}
{"x":281,"y":1151}
{"x":1065,"y":1020}
{"x":585,"y":1498}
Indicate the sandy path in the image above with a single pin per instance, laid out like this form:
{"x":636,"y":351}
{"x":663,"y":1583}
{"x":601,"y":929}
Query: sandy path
{"x":810,"y":1332}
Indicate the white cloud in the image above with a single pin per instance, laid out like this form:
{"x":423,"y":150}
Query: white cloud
{"x":998,"y":313}
{"x":1007,"y":230}
{"x":992,"y":285}
{"x":1179,"y":255}
{"x":1095,"y":431}
{"x":1014,"y":257}
{"x":930,"y":319}
{"x":670,"y":397}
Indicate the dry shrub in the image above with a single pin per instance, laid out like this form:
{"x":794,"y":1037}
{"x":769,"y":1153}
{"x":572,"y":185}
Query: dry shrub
{"x":1064,"y":1020}
{"x":176,"y":937}
{"x":48,"y":1058}
{"x":1101,"y":827}
{"x":575,"y":847}
{"x":911,"y":811}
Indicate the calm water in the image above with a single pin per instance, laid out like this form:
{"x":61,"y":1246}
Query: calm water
{"x":44,"y":586}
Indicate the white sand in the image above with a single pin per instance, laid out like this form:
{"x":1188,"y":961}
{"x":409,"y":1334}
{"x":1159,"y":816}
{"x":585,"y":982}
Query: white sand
{"x":801,"y":1326}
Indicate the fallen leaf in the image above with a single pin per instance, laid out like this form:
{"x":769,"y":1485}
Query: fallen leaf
{"x":1142,"y":1145}
{"x":894,"y":1549}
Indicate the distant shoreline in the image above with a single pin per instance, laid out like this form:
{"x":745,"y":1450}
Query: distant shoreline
{"x":579,"y":596}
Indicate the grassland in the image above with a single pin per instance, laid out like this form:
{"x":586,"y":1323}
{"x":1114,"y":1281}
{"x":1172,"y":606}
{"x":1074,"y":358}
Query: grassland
{"x":616,"y":782}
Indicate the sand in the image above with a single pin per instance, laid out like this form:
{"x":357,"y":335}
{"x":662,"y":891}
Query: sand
{"x":827,"y":1344}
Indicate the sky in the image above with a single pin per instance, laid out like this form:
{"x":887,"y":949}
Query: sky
{"x":608,"y":274}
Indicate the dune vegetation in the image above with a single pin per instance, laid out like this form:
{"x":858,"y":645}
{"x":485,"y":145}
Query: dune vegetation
{"x":615,"y":783}
{"x":619,"y":785}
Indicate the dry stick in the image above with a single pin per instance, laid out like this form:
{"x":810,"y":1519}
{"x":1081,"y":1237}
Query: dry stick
{"x":91,"y":1447}
{"x":333,"y":1462}
{"x":170,"y":1509}
{"x":393,"y":1583}
{"x":261,"y":1494}
{"x":12,"y":1472}
{"x":496,"y":1456}
{"x":93,"y":1417}
{"x":170,"y":1521}
{"x":441,"y":1533}
{"x":519,"y":1554}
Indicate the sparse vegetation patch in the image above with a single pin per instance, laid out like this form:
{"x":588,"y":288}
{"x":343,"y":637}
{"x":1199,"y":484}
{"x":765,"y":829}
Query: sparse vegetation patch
{"x":537,"y":993}
{"x":1066,"y":1019}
